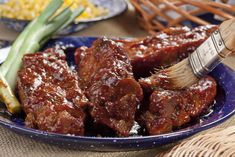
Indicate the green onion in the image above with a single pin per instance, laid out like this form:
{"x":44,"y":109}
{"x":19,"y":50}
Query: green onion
{"x":75,"y":14}
{"x":14,"y":49}
{"x":32,"y":42}
{"x":38,"y":32}
{"x":8,"y":97}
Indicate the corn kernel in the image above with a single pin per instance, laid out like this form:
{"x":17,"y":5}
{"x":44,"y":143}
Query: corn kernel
{"x":30,"y":9}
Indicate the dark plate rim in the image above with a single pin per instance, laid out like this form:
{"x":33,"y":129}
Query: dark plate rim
{"x":118,"y":139}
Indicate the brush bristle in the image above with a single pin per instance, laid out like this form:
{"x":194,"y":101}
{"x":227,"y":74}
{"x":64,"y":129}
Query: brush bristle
{"x":181,"y":74}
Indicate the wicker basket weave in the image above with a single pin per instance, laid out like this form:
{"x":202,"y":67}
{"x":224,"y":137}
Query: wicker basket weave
{"x":218,"y":143}
{"x":155,"y":15}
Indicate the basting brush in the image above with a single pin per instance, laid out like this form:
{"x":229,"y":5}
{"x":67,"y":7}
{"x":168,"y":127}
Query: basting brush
{"x":205,"y":58}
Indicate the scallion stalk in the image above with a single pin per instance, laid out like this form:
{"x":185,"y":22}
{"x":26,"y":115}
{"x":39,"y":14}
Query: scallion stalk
{"x":32,"y":42}
{"x":43,"y":18}
{"x":8,"y":97}
{"x":29,"y":41}
{"x":13,"y":51}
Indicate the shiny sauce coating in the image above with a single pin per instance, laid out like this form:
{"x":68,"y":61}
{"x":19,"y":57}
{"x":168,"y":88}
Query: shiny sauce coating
{"x":50,"y":95}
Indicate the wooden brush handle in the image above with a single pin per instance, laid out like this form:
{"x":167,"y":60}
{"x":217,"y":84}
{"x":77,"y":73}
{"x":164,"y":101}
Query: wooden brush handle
{"x":218,"y":46}
{"x":227,"y":31}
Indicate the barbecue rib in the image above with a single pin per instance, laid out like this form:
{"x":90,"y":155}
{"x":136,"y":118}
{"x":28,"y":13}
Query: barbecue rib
{"x":164,"y":48}
{"x":107,"y":78}
{"x":50,"y":95}
{"x":168,"y":109}
{"x":161,"y":50}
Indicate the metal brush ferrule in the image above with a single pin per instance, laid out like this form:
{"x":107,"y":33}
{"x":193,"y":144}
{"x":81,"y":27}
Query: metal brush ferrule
{"x":208,"y":55}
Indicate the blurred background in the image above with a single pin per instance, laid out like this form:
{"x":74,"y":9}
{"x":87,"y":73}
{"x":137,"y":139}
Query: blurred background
{"x":118,"y":17}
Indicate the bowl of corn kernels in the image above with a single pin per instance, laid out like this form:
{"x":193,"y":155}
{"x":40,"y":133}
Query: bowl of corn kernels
{"x":16,"y":14}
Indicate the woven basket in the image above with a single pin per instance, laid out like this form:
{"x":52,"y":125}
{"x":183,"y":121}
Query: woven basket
{"x":219,"y":143}
{"x":155,"y":15}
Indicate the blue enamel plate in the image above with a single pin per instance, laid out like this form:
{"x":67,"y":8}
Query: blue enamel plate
{"x":222,"y":110}
{"x":114,"y":7}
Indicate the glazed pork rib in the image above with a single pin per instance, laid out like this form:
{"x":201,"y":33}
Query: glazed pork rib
{"x":161,"y":50}
{"x":169,"y":109}
{"x":107,"y":78}
{"x":50,"y":95}
{"x":164,"y":48}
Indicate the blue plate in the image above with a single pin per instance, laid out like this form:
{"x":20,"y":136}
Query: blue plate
{"x":222,"y":110}
{"x":114,"y":7}
{"x":4,"y":43}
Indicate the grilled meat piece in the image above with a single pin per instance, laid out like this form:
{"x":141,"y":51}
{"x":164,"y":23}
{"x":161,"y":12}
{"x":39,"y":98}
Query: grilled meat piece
{"x":161,"y":50}
{"x":155,"y":81}
{"x":170,"y":109}
{"x":79,"y":54}
{"x":50,"y":95}
{"x":107,"y":78}
{"x":165,"y":48}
